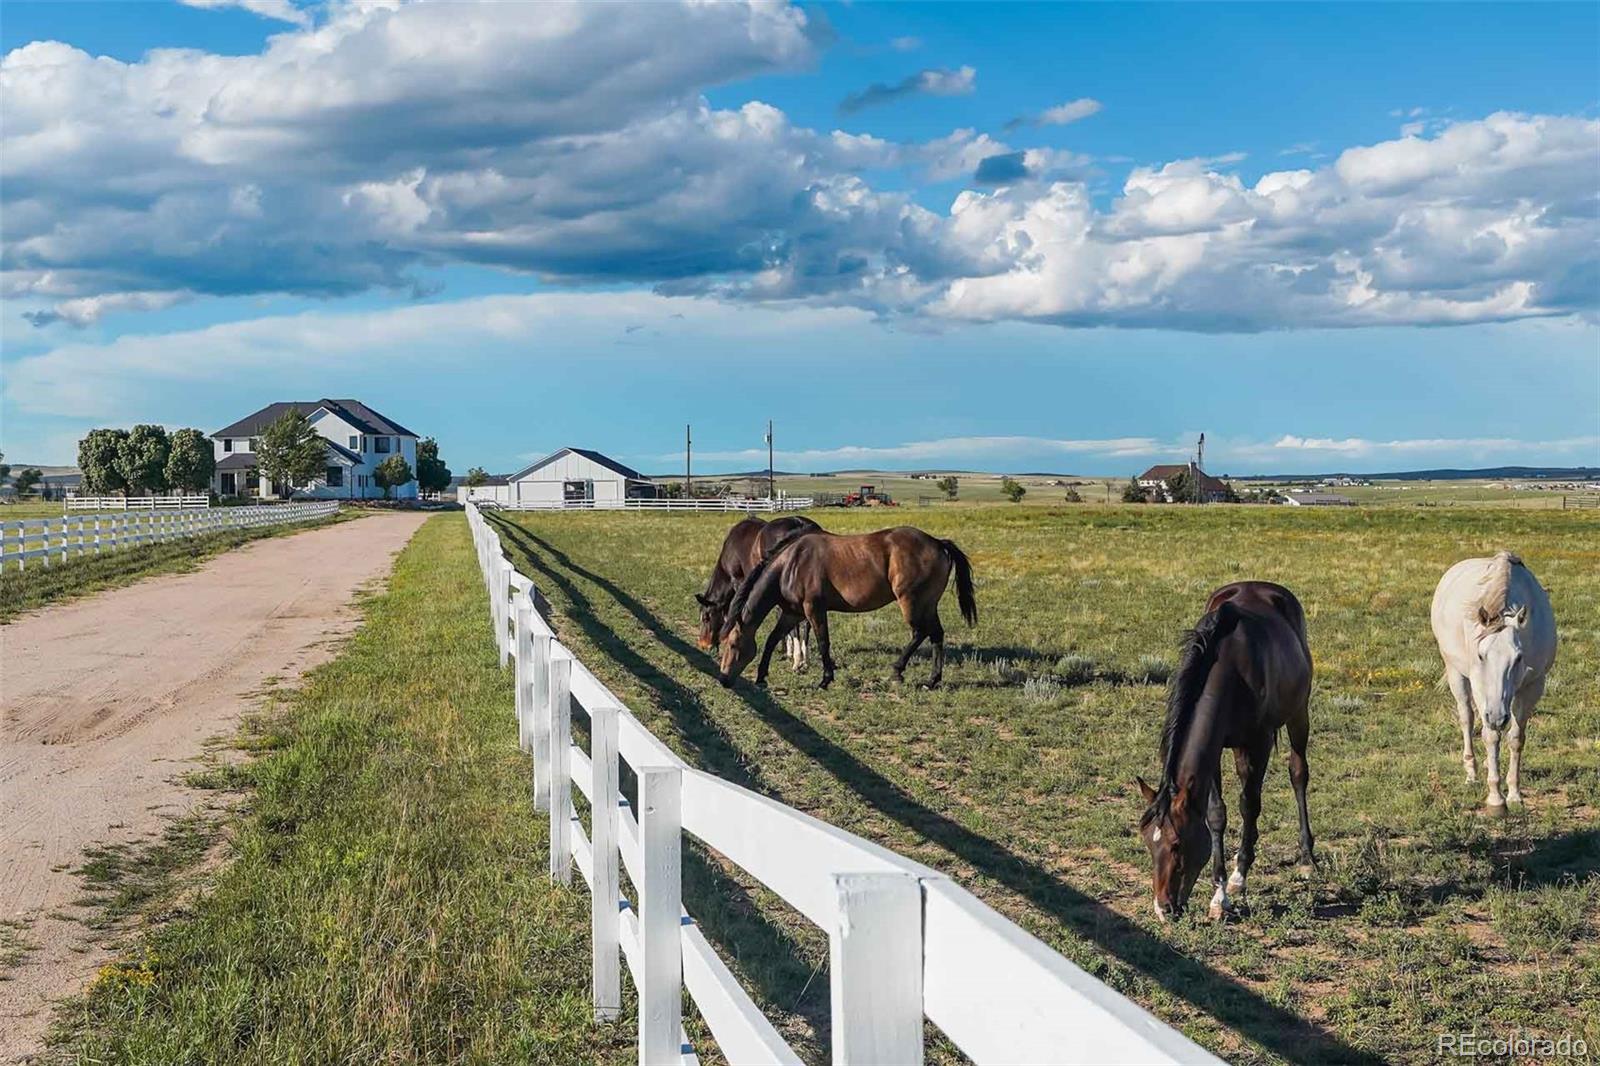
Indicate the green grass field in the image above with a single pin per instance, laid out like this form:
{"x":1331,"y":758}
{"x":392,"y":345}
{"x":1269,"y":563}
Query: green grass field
{"x":981,"y":488}
{"x":384,"y":896}
{"x":1425,"y":917}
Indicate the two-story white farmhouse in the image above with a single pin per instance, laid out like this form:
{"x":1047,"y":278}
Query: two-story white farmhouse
{"x":359,"y":438}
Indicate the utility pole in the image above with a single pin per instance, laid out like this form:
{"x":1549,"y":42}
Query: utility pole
{"x":688,"y":464}
{"x":772,"y":481}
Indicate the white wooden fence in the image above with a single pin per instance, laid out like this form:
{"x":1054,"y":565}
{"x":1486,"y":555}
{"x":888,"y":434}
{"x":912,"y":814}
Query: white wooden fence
{"x":906,"y":942}
{"x":717,"y":503}
{"x":138,"y":503}
{"x":56,"y":540}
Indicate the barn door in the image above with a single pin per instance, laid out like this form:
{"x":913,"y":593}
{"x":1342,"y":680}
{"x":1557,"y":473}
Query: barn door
{"x":577,"y":493}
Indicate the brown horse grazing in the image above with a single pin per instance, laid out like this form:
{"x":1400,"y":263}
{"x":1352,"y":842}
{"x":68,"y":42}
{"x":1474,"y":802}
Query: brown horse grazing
{"x":809,"y":574}
{"x":1245,"y":672}
{"x":746,"y":544}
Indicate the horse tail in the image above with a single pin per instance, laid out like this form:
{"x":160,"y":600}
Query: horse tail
{"x":1198,"y":656}
{"x":963,"y":568}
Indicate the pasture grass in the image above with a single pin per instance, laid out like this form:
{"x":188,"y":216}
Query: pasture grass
{"x":82,"y":575}
{"x":1425,"y":915}
{"x":382,"y":894}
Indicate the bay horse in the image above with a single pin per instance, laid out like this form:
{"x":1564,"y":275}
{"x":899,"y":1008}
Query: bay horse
{"x":1245,"y":672}
{"x":809,"y":574}
{"x":1497,"y":636}
{"x":746,"y":544}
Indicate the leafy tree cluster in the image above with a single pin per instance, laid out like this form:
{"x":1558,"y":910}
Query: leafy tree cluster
{"x":1133,"y":493}
{"x":432,"y":474}
{"x":949,"y":486}
{"x":145,"y":460}
{"x":1012,"y":489}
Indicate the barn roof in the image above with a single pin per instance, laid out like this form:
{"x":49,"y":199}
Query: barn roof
{"x":588,"y":453}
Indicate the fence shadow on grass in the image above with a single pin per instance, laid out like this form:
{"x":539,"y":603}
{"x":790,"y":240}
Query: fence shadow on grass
{"x":1229,"y":1001}
{"x":767,"y":953}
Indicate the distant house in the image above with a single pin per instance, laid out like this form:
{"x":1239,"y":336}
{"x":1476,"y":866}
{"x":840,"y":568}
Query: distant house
{"x":1159,"y":479}
{"x":359,"y":438}
{"x":571,"y":477}
{"x":1317,"y":499}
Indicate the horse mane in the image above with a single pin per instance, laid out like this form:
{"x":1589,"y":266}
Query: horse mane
{"x":1495,"y":587}
{"x":1197,"y":655}
{"x":741,"y":596}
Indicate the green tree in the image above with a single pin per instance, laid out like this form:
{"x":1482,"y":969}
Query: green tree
{"x":190,"y":461}
{"x":1012,"y":489}
{"x":432,"y":474}
{"x":5,"y":469}
{"x":1132,"y":493}
{"x":97,"y":460}
{"x":392,"y":473}
{"x":477,"y":476}
{"x":1073,"y":496}
{"x":142,"y":459}
{"x":949,"y":486}
{"x":27,"y":479}
{"x":290,"y":453}
{"x":1183,"y":488}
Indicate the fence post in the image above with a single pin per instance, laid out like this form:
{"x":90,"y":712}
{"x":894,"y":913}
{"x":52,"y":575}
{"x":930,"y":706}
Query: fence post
{"x":875,"y":963}
{"x":660,"y":908}
{"x":524,"y":671}
{"x":539,"y":711}
{"x":560,"y":769}
{"x":605,"y":891}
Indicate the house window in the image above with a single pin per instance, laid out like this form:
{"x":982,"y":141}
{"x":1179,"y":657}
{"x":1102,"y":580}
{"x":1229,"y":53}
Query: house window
{"x":335,"y":477}
{"x":363,"y":444}
{"x":354,"y":442}
{"x":227,"y":444}
{"x":381,"y":443}
{"x":253,"y":442}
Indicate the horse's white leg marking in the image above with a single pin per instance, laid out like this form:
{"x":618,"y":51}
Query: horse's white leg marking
{"x":1236,"y":879}
{"x":1491,"y":762}
{"x":1462,"y":691}
{"x":1219,"y":903}
{"x":1521,"y":711}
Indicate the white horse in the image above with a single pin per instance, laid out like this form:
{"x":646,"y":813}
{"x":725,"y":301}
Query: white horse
{"x":1497,"y":635}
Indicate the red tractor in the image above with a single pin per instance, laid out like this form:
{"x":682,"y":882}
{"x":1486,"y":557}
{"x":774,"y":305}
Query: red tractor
{"x":868,"y":496}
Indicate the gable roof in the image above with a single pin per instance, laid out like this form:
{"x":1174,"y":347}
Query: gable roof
{"x":354,"y":412}
{"x":1168,"y":471}
{"x":589,"y":454}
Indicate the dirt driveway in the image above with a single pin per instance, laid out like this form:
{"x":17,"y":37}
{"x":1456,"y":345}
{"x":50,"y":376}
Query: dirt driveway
{"x":103,"y":702}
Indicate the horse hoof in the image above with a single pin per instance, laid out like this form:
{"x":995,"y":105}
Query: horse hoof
{"x":1495,"y":810}
{"x":825,"y":682}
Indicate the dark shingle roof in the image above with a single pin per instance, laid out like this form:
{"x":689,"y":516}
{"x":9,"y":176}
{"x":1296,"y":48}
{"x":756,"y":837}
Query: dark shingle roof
{"x":355,"y":412}
{"x":589,"y":454}
{"x":244,"y":461}
{"x":492,"y":479}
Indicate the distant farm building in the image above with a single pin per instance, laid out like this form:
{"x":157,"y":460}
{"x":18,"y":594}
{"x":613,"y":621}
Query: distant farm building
{"x":1159,"y":480}
{"x":571,"y":477}
{"x":1317,"y":499}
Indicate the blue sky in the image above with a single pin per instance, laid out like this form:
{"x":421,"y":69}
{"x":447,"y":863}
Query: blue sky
{"x":997,"y":236}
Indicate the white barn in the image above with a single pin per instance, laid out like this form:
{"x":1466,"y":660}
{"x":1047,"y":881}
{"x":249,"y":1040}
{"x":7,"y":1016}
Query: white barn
{"x":571,"y":477}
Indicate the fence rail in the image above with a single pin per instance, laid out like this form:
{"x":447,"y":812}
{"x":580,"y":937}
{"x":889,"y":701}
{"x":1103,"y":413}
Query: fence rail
{"x":721,"y":503}
{"x":138,"y":503}
{"x":906,"y":942}
{"x":57,"y":540}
